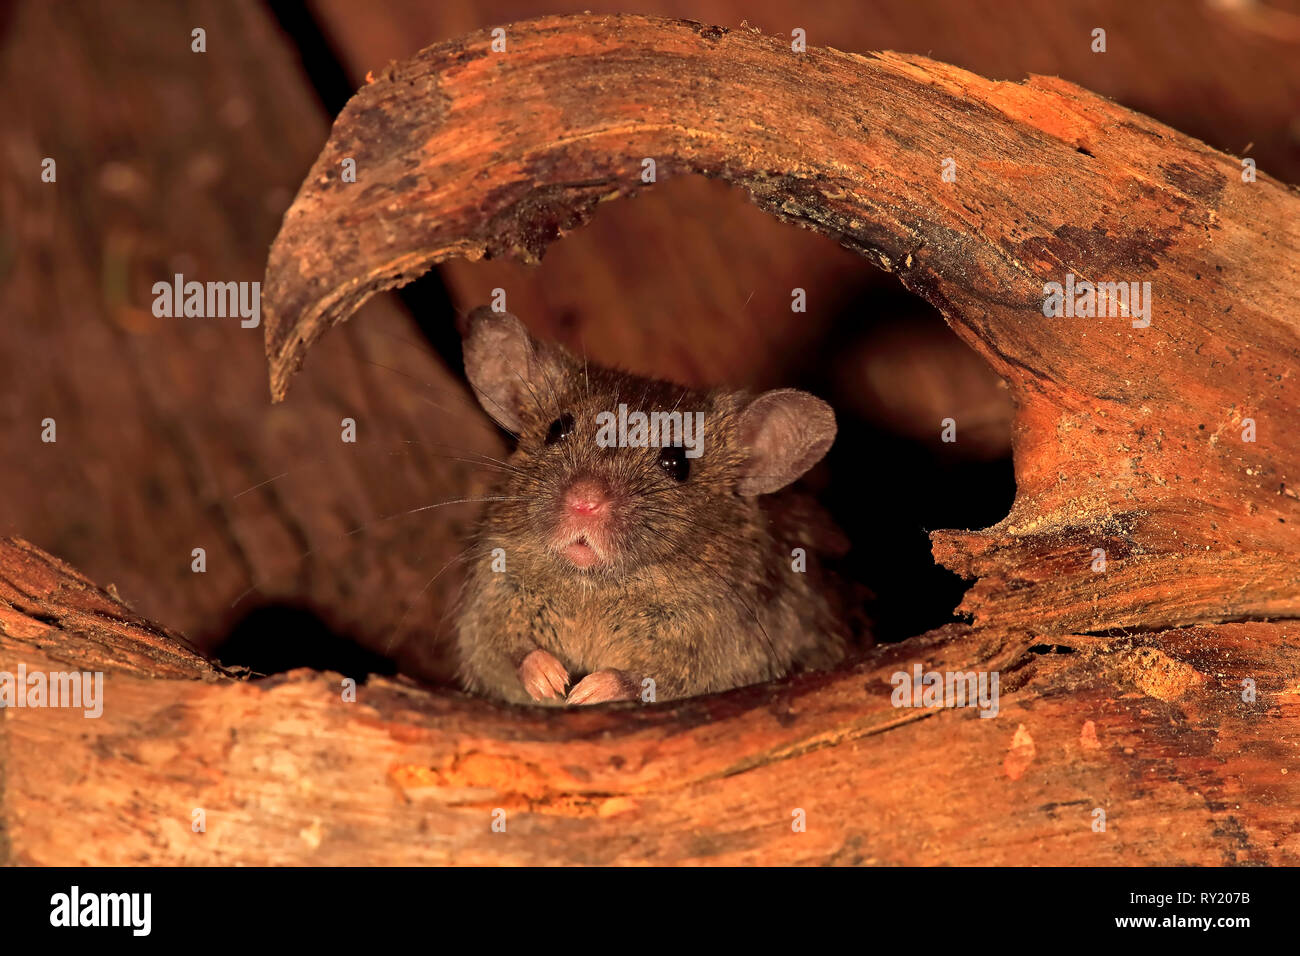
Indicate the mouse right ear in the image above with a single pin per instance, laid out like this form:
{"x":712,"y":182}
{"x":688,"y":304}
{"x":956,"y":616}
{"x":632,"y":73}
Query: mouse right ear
{"x":786,"y":432}
{"x":504,"y":365}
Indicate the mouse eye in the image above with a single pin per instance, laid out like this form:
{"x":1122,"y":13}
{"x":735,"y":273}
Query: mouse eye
{"x":560,"y":429}
{"x":673,"y":460}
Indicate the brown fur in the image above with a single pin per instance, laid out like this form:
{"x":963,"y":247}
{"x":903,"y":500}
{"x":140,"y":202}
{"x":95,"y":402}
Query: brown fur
{"x":698,"y":592}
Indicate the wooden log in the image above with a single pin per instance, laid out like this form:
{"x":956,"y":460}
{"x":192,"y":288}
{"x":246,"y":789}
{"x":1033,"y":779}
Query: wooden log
{"x":1184,"y":739}
{"x":1179,"y":63}
{"x":1165,"y":450}
{"x":50,"y":610}
{"x":1152,"y":730}
{"x":171,"y":161}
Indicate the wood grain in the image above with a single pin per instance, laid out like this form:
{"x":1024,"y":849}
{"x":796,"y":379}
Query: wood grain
{"x":630,"y":287}
{"x":1153,"y":730}
{"x":171,"y":161}
{"x":1128,"y":440}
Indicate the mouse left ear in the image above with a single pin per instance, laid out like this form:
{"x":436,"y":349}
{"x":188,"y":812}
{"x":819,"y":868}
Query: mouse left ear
{"x":786,"y":432}
{"x":507,"y":368}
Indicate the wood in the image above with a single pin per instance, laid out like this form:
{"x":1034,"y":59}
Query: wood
{"x":1151,"y":729}
{"x":630,"y":287}
{"x":1126,"y":440}
{"x":1153,"y":726}
{"x":166,"y":439}
{"x":50,"y":610}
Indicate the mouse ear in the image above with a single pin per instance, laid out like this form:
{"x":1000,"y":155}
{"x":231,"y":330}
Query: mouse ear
{"x":786,"y":432}
{"x":505,"y":366}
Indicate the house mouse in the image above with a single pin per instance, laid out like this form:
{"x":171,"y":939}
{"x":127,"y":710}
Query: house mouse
{"x":616,"y":561}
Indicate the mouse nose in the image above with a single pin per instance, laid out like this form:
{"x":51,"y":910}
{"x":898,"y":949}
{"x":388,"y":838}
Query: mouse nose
{"x":586,"y":497}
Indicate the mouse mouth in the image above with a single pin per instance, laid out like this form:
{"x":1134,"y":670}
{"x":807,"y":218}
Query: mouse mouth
{"x":580,"y":551}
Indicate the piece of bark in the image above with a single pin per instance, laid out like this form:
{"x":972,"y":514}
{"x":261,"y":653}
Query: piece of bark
{"x":47,"y":608}
{"x":1155,"y":731}
{"x":1152,"y":729}
{"x":1127,"y":440}
{"x":1177,"y":62}
{"x":693,"y":282}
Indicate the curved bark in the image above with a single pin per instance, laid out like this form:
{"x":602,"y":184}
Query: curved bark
{"x":1153,"y":731}
{"x":1185,"y":739}
{"x":1127,"y":440}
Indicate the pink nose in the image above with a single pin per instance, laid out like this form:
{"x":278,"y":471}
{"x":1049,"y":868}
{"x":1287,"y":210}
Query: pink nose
{"x":586,"y":497}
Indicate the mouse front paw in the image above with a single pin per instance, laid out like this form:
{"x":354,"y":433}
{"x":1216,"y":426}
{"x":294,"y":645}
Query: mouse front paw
{"x":602,"y":686}
{"x":544,"y":677}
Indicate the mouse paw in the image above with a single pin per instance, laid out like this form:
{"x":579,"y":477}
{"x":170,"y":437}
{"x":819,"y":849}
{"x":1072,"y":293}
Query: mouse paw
{"x":543,"y":676}
{"x":603,"y":686}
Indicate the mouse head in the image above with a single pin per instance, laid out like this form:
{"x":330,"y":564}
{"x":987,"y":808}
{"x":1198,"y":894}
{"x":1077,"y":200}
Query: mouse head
{"x":613,"y":471}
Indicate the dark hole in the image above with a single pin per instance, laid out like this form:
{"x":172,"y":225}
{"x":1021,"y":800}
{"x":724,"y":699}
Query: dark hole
{"x":320,"y":60}
{"x":889,"y":489}
{"x":276,"y":638}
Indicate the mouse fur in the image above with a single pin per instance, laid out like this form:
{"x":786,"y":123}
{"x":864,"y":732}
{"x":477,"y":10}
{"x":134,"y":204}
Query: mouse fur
{"x":602,"y":569}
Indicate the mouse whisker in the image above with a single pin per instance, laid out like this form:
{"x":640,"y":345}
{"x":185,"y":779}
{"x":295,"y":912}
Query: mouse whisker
{"x":645,"y":393}
{"x":485,"y":462}
{"x":464,"y":402}
{"x":479,"y":457}
{"x":585,"y":377}
{"x":550,"y":387}
{"x":485,"y":397}
{"x":464,"y":555}
{"x":385,"y":518}
{"x":441,"y":504}
{"x":523,"y":380}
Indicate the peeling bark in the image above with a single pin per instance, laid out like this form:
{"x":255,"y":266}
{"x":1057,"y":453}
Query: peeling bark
{"x":1153,"y":730}
{"x":1126,"y":439}
{"x":1184,"y":737}
{"x":49,"y":608}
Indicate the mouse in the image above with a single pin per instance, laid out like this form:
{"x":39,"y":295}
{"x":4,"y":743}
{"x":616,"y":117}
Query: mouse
{"x":642,"y":541}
